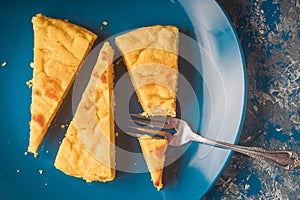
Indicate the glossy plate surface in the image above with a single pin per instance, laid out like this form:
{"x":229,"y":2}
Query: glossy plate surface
{"x":211,"y":97}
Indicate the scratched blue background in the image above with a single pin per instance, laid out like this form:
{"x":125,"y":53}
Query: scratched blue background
{"x":269,"y":32}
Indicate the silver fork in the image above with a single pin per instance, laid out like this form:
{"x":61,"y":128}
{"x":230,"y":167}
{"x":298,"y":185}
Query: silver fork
{"x":161,"y":126}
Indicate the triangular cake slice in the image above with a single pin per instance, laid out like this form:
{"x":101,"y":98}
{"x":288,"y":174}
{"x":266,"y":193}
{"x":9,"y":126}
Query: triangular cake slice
{"x":88,"y":150}
{"x":59,"y":49}
{"x":154,"y":154}
{"x":151,"y":57}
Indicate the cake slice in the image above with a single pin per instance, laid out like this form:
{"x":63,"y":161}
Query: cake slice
{"x":88,"y":150}
{"x":154,"y":153}
{"x":59,"y":49}
{"x":151,"y":57}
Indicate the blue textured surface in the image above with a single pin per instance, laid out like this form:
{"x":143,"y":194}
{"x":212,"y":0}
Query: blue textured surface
{"x":269,"y":33}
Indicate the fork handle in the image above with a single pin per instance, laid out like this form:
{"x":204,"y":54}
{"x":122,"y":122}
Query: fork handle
{"x":284,"y":158}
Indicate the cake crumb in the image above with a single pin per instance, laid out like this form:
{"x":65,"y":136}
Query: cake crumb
{"x":41,"y":171}
{"x":62,"y":126}
{"x":4,"y":64}
{"x":47,"y":151}
{"x":118,"y":61}
{"x":105,"y":23}
{"x":29,"y":83}
{"x":117,"y":134}
{"x":101,"y":28}
{"x":46,"y":184}
{"x":25,"y":153}
{"x":36,"y":155}
{"x":145,"y":114}
{"x":31,"y":65}
{"x":18,"y":170}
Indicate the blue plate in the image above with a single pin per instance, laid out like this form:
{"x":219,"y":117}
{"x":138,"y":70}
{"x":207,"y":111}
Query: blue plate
{"x":211,"y":96}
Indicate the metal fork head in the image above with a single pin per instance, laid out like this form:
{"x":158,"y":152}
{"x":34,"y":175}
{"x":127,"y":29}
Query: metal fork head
{"x":163,"y":122}
{"x":175,"y":130}
{"x":158,"y":126}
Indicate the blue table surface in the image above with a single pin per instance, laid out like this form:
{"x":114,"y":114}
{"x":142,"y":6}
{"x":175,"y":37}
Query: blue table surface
{"x":269,"y":32}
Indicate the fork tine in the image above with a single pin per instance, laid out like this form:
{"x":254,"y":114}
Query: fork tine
{"x":150,"y":131}
{"x":156,"y":121}
{"x":134,"y":134}
{"x":149,"y":123}
{"x":161,"y":119}
{"x":138,"y":115}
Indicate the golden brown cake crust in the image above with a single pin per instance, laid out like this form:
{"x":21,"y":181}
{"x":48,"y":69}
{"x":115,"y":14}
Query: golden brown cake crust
{"x":59,"y":49}
{"x":154,"y":154}
{"x":151,"y":57}
{"x":88,"y":151}
{"x":75,"y":159}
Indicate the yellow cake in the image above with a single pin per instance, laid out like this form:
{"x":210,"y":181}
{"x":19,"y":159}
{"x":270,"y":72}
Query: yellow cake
{"x":59,"y":49}
{"x":154,"y":154}
{"x":88,"y":150}
{"x":151,"y":57}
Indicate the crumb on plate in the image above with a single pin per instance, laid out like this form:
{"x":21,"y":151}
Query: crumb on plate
{"x":4,"y":64}
{"x":119,"y":61}
{"x":29,"y":83}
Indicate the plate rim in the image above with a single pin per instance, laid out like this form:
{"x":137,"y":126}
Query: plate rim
{"x":243,"y":114}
